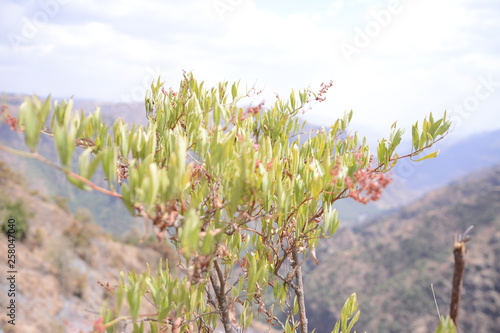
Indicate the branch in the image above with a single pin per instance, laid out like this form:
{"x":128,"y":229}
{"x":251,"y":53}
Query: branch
{"x":410,"y":155}
{"x":217,"y":280}
{"x":458,"y":275}
{"x":299,"y":291}
{"x":269,"y":314}
{"x":290,"y":283}
{"x":71,"y":174}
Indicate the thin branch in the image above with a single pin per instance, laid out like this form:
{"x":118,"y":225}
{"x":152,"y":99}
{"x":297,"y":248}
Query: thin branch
{"x":296,"y":268}
{"x":410,"y":155}
{"x":262,"y":308}
{"x":215,"y":278}
{"x":459,"y":251}
{"x":220,"y":274}
{"x":290,"y":283}
{"x":71,"y":174}
{"x":299,"y":291}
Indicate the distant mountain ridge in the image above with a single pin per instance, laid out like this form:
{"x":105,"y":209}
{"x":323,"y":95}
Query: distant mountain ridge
{"x":392,"y":262}
{"x":412,"y":180}
{"x":473,"y":153}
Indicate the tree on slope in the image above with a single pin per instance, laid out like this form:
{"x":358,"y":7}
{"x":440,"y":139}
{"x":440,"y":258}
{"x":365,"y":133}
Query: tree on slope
{"x":242,"y":200}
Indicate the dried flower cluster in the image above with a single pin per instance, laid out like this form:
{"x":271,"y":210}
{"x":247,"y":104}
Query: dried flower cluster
{"x":107,"y":286}
{"x":99,"y":326}
{"x":121,"y":169}
{"x":9,"y":120}
{"x":366,"y":180}
{"x":321,"y":96}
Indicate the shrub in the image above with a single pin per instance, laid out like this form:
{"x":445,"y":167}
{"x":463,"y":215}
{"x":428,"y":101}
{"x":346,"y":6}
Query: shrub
{"x":243,"y":199}
{"x":15,"y":210}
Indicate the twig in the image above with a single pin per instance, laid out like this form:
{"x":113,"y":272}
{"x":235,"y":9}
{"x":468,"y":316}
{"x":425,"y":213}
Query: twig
{"x":221,"y":297}
{"x":39,"y":157}
{"x":435,"y":301}
{"x":459,"y":251}
{"x":300,"y":291}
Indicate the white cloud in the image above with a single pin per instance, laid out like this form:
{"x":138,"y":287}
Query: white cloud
{"x":429,"y":55}
{"x":334,"y":8}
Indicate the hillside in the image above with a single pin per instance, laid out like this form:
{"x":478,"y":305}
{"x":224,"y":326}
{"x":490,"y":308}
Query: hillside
{"x":414,"y":179}
{"x":392,"y":263}
{"x":411,"y":180}
{"x":457,"y":160}
{"x":108,"y":212}
{"x":62,"y":262}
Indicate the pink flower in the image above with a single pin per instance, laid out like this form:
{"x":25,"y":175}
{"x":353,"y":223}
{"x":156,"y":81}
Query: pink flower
{"x":99,"y":326}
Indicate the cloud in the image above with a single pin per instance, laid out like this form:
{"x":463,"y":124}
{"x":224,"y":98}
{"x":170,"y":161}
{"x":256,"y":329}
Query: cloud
{"x":334,"y":8}
{"x":429,"y":56}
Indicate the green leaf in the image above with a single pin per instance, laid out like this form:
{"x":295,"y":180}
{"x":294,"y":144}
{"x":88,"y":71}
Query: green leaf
{"x":249,"y":320}
{"x":444,"y":127}
{"x":435,"y":126}
{"x":348,"y":309}
{"x":28,"y":119}
{"x":382,"y":152}
{"x":252,"y":275}
{"x":208,"y":244}
{"x":276,"y":290}
{"x":317,"y":185}
{"x":61,"y":141}
{"x":415,"y":136}
{"x":93,"y":165}
{"x":153,"y":327}
{"x":303,"y":96}
{"x":354,"y":320}
{"x":292,"y":99}
{"x":446,"y":325}
{"x":78,"y":183}
{"x":82,"y":127}
{"x":234,"y":91}
{"x":336,"y":327}
{"x":190,"y":232}
{"x":288,"y":329}
{"x":431,"y":155}
{"x":44,"y":113}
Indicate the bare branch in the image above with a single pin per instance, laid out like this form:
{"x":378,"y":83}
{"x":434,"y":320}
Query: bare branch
{"x":299,"y":291}
{"x":217,"y":280}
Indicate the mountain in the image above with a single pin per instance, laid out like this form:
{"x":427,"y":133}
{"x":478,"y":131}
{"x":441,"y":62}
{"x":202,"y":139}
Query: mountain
{"x":473,"y":153}
{"x":67,"y":266}
{"x":64,"y":262}
{"x":108,"y":212}
{"x":392,"y":262}
{"x":410,"y":180}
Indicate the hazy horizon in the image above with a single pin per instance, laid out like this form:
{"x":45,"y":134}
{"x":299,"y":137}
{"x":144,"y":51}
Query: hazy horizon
{"x":388,"y":60}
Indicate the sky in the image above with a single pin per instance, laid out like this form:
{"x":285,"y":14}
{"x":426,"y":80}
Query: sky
{"x":389,"y":60}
